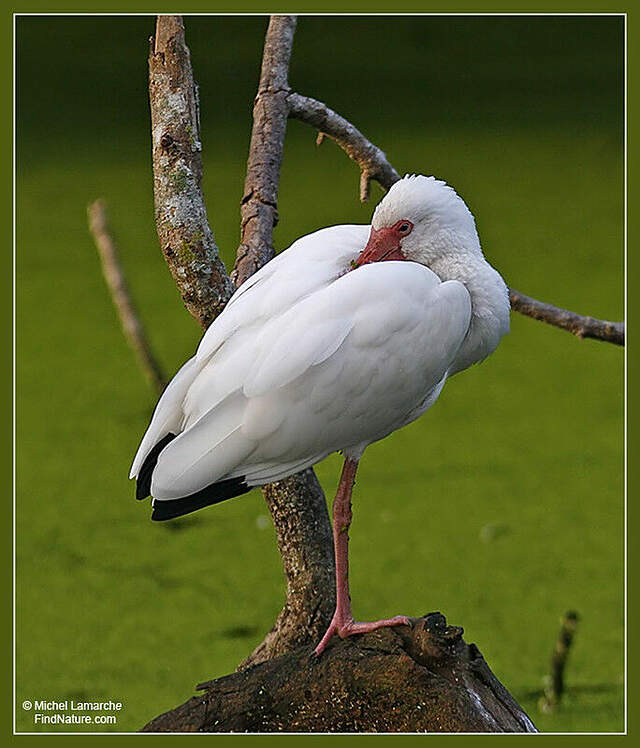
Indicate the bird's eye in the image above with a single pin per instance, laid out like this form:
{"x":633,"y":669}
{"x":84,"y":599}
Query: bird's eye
{"x":404,"y":227}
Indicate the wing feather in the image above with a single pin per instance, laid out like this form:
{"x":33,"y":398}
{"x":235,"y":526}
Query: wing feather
{"x":168,"y":413}
{"x":404,"y":330}
{"x":204,"y":453}
{"x":310,"y":263}
{"x":308,"y":359}
{"x":225,"y":354}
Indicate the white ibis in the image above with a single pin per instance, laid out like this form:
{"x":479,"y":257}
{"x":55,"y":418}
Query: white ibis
{"x":343,"y":338}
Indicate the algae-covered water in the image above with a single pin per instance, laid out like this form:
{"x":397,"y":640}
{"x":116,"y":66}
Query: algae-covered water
{"x":503,"y":507}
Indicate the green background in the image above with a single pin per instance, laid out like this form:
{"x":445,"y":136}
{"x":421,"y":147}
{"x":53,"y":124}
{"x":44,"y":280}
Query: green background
{"x":502,"y":508}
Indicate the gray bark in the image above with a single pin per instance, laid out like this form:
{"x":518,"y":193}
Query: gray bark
{"x":372,"y":161}
{"x":181,"y":217}
{"x":299,"y":512}
{"x":259,"y":208}
{"x":577,"y":324}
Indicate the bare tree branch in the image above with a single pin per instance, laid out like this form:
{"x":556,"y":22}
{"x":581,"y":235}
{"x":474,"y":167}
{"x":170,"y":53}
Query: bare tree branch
{"x":259,"y":204}
{"x":577,"y":324}
{"x":299,"y":510}
{"x":297,"y":504}
{"x":120,"y":294}
{"x":373,"y":164}
{"x":371,"y":160}
{"x":181,"y":217}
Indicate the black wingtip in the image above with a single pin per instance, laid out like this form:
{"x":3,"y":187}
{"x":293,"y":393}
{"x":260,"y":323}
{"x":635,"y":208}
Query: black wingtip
{"x":143,"y":482}
{"x":212,"y":494}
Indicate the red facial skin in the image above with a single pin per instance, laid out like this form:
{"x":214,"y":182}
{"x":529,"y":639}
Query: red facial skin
{"x":384,"y":244}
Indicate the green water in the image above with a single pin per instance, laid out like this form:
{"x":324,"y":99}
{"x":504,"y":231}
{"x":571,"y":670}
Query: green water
{"x":502,"y":507}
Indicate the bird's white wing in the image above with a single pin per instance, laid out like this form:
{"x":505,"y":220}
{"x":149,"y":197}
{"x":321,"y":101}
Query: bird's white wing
{"x":310,"y":263}
{"x":343,"y":366}
{"x":354,"y":362}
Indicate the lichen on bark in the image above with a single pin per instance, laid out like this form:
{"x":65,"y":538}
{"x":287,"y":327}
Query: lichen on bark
{"x":185,"y":236}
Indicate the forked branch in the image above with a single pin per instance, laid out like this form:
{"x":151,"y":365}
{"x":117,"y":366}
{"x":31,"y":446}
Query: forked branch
{"x":372,"y":161}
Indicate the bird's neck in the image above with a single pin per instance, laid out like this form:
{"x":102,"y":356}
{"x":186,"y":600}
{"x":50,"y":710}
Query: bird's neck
{"x":489,"y":306}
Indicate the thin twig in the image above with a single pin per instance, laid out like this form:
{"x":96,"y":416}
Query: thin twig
{"x":373,"y":164}
{"x":372,"y":161}
{"x":120,"y":294}
{"x":577,"y":324}
{"x":555,"y":680}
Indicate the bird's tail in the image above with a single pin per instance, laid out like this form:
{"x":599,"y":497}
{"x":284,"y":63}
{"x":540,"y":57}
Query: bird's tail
{"x":213,"y":494}
{"x":164,"y":509}
{"x":143,"y":481}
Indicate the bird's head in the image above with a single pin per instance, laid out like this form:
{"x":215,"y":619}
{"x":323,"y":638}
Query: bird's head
{"x":423,"y":220}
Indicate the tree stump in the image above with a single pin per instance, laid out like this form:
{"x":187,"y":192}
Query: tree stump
{"x":418,"y":678}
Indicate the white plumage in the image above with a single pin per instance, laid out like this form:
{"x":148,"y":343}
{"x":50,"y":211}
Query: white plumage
{"x":341,"y":339}
{"x":310,"y":357}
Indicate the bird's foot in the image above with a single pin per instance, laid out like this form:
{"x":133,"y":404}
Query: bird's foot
{"x":347,"y":627}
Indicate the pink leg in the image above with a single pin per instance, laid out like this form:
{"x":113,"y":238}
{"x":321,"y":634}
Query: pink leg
{"x":342,"y":622}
